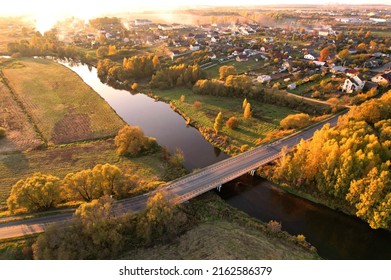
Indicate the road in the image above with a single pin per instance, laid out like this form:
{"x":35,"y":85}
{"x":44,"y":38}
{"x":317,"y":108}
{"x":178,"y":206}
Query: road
{"x":184,"y":188}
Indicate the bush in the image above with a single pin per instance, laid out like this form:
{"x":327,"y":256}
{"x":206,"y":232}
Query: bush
{"x":2,"y":132}
{"x":274,"y":226}
{"x":131,"y":141}
{"x":295,"y":121}
{"x":232,"y":123}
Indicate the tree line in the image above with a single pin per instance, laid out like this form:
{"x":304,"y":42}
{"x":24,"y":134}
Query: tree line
{"x":349,"y":163}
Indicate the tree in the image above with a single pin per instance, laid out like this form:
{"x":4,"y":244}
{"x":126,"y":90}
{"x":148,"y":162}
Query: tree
{"x":197,"y":104}
{"x":324,"y":54}
{"x":295,"y":121}
{"x":112,"y":50}
{"x":2,"y":132}
{"x":368,"y":34}
{"x":232,"y":123}
{"x":244,"y":103}
{"x":344,"y":54}
{"x":38,"y":192}
{"x":218,"y":125}
{"x":182,"y":99}
{"x":102,"y":52}
{"x":93,"y":233}
{"x":362,"y":47}
{"x":247,"y":111}
{"x":177,"y":158}
{"x":225,"y":71}
{"x":131,"y":141}
{"x":155,"y":62}
{"x":134,"y":86}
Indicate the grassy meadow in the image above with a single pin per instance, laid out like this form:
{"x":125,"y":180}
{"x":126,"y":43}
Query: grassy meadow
{"x":60,"y":104}
{"x":60,"y":161}
{"x":266,"y":118}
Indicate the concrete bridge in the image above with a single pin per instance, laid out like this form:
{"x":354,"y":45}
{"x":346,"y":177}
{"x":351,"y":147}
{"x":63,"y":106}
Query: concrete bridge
{"x":184,"y":188}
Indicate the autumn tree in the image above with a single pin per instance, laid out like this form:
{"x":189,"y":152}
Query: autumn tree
{"x":232,"y":123}
{"x":36,"y":193}
{"x":93,"y":233}
{"x":295,"y":121}
{"x":219,"y":122}
{"x":131,"y":141}
{"x":182,"y":99}
{"x":247,"y":111}
{"x":362,"y":47}
{"x":324,"y":54}
{"x":112,"y":50}
{"x":225,"y":71}
{"x":244,"y":103}
{"x":102,"y":52}
{"x":344,"y":54}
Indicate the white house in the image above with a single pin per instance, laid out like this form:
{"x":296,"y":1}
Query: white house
{"x":310,"y":56}
{"x":264,"y":78}
{"x":291,"y":86}
{"x":353,"y":84}
{"x":194,"y":47}
{"x":319,"y":63}
{"x":241,"y":58}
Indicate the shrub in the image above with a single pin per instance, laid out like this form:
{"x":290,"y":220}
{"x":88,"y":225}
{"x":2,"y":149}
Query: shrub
{"x":274,"y":226}
{"x":232,"y":123}
{"x":295,"y":121}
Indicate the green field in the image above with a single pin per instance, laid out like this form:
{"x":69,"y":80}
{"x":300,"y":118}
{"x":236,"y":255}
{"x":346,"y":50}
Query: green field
{"x":266,"y":117}
{"x":240,"y":67}
{"x":60,"y":104}
{"x":72,"y":158}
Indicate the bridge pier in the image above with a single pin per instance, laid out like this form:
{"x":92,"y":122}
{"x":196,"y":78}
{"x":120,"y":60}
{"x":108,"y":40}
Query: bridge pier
{"x":252,"y":172}
{"x":219,"y":188}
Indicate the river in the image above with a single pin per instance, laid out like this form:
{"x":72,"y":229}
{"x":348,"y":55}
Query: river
{"x":334,"y":234}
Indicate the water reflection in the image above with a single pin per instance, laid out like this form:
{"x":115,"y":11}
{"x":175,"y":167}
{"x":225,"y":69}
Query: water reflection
{"x":334,"y":234}
{"x":157,"y":120}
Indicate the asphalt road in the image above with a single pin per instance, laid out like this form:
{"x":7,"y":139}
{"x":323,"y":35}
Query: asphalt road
{"x":181,"y":189}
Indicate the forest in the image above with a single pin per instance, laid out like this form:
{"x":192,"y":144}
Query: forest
{"x":349,"y":163}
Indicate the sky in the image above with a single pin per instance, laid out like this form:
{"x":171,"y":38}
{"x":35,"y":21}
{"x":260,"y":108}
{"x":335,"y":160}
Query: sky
{"x":47,"y":12}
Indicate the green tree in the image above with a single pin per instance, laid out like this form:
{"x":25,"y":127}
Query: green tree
{"x":36,"y":193}
{"x":219,"y":122}
{"x":132,"y":141}
{"x":247,"y":111}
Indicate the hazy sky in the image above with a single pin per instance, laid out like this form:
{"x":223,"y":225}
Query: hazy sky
{"x":96,"y":7}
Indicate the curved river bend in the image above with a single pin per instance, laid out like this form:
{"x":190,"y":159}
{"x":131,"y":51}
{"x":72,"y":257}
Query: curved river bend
{"x":334,"y":234}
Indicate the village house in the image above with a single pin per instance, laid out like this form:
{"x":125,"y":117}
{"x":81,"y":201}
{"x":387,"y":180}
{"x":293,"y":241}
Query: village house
{"x":352,"y":72}
{"x":383,"y":79}
{"x":291,"y":86}
{"x":264,"y":78}
{"x":353,"y":84}
{"x":310,"y":55}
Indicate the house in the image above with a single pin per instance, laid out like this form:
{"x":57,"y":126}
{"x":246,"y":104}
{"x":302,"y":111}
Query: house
{"x":264,"y":78}
{"x":174,"y":53}
{"x":287,"y":64}
{"x":194,"y":47}
{"x":268,"y":40}
{"x":310,"y":56}
{"x":91,"y":37}
{"x":351,"y":72}
{"x":353,"y":84}
{"x":291,"y":86}
{"x":337,"y":69}
{"x":267,"y":48}
{"x":319,"y":63}
{"x":241,"y":58}
{"x":383,"y":79}
{"x":142,"y":22}
{"x":323,"y":33}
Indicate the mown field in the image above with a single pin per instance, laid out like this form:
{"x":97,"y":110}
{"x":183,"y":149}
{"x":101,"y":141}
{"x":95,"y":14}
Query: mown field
{"x":266,"y":117}
{"x":20,"y":131}
{"x":60,"y":104}
{"x":72,"y":158}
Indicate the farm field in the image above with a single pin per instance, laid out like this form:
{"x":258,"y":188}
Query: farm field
{"x":60,"y":161}
{"x":61,"y":105}
{"x":266,"y":117}
{"x":20,"y":132}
